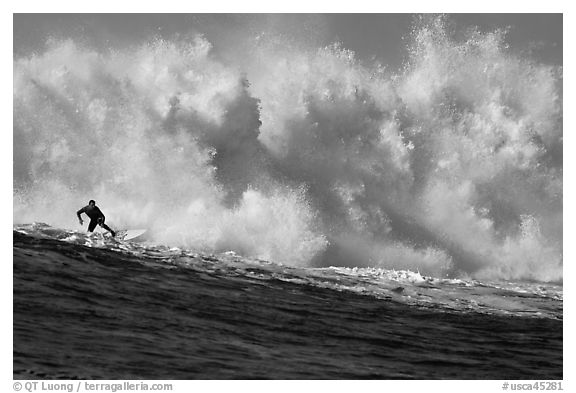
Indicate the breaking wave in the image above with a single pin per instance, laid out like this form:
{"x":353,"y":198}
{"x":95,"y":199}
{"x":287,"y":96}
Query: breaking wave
{"x":300,"y":155}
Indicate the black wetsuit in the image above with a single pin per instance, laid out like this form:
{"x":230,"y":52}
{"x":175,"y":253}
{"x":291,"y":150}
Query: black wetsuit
{"x":96,"y":217}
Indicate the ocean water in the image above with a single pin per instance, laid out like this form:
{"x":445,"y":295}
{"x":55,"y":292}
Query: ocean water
{"x":309,"y":214}
{"x":89,"y":307}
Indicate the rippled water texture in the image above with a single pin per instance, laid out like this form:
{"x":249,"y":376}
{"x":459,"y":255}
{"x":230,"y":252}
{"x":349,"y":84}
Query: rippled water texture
{"x":125,"y":310}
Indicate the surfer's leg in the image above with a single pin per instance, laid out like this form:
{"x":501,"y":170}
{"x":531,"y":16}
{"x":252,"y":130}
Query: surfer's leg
{"x":108,"y":229}
{"x":92,"y":225}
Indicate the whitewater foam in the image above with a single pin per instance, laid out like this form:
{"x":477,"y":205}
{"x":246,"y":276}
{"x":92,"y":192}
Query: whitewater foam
{"x":451,"y":167}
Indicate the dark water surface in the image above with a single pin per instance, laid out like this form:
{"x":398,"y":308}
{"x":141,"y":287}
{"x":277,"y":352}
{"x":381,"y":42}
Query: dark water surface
{"x":96,"y":313}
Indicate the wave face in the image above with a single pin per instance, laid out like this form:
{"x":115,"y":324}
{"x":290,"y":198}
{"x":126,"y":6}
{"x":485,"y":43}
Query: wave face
{"x":224,"y":316}
{"x":404,"y":287}
{"x":303,"y":156}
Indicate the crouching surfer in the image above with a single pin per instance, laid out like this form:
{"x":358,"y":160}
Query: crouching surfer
{"x":96,"y":217}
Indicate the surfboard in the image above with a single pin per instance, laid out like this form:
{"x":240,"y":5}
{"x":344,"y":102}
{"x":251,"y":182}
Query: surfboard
{"x":129,"y":234}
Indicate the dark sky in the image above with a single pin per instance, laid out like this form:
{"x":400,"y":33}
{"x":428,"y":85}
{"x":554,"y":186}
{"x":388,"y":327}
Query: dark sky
{"x":372,"y":36}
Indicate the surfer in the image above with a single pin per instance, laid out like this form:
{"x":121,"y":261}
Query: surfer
{"x":96,"y":217}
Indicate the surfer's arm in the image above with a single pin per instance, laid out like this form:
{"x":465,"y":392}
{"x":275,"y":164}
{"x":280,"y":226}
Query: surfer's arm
{"x":83,"y":210}
{"x":101,"y":215}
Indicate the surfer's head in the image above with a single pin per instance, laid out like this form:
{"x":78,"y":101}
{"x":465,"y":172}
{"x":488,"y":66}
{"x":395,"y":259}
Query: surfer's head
{"x":92,"y":202}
